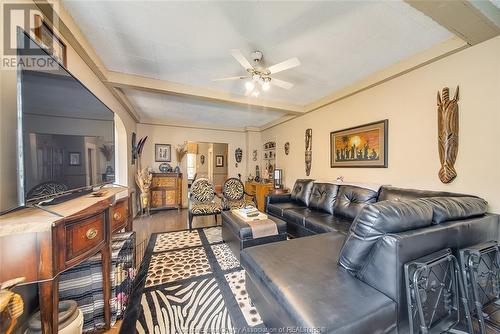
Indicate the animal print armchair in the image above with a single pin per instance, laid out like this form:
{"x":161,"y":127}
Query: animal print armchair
{"x":202,"y":200}
{"x":233,"y":193}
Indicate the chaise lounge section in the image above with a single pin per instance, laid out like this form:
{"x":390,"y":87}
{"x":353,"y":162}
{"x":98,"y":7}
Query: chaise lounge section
{"x":354,"y":283}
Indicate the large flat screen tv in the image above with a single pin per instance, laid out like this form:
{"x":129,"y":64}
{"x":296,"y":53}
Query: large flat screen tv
{"x":65,"y":134}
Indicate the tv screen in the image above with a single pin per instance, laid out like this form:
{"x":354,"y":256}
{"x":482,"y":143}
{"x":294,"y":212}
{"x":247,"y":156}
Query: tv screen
{"x":67,"y":132}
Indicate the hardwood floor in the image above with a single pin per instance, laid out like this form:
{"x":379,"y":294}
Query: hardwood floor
{"x":162,"y":221}
{"x":166,"y":221}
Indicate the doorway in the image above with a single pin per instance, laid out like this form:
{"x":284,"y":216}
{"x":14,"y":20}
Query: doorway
{"x":208,"y":160}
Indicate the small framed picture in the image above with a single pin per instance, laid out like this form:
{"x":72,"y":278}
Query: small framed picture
{"x":74,"y":159}
{"x":219,"y":161}
{"x":163,"y":152}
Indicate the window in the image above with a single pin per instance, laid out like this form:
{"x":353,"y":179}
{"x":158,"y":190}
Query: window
{"x":191,"y":165}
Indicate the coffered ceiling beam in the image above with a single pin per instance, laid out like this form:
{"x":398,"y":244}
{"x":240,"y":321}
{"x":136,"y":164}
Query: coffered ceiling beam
{"x":460,"y":17}
{"x":130,"y":81}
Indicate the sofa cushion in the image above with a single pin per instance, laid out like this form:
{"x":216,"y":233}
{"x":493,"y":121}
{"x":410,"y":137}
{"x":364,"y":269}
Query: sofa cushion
{"x":296,"y":215}
{"x":323,"y":196}
{"x":376,"y":220}
{"x":350,"y":200}
{"x":300,"y":282}
{"x":320,"y":222}
{"x":276,"y":209}
{"x":302,"y":191}
{"x":393,"y":193}
{"x":453,"y":208}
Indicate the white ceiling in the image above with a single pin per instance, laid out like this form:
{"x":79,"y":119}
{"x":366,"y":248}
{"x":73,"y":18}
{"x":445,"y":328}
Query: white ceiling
{"x":337,"y":42}
{"x":168,"y":109}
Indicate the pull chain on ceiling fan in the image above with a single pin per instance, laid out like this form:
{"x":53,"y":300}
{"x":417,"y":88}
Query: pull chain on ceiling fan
{"x":261,"y":76}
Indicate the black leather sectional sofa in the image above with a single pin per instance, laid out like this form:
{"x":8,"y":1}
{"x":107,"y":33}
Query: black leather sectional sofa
{"x":346,"y":276}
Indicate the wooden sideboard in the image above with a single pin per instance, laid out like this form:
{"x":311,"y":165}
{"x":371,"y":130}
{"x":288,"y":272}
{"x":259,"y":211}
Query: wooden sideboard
{"x":166,"y":191}
{"x":40,"y":244}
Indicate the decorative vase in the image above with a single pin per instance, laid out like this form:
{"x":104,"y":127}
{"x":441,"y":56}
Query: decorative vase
{"x":177,"y":169}
{"x":144,"y":203}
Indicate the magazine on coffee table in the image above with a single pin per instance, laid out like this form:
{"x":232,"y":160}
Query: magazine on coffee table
{"x":249,"y":214}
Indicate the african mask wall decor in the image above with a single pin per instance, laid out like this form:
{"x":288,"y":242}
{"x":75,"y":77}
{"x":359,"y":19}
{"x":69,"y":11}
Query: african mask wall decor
{"x":447,"y":134}
{"x":308,"y":156}
{"x":287,"y":148}
{"x":202,"y":159}
{"x":238,"y":154}
{"x":134,"y":148}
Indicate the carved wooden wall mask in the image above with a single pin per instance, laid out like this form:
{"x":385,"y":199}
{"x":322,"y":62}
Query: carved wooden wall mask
{"x":447,"y":134}
{"x":308,"y":155}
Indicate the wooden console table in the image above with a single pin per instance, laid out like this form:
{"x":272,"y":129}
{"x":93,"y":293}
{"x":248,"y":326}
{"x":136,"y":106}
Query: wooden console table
{"x":39,"y":245}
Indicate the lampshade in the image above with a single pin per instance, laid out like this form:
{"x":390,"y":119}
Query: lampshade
{"x":192,"y":148}
{"x":278,"y":178}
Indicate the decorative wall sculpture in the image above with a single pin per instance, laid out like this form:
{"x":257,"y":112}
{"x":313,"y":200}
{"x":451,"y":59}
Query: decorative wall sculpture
{"x":447,"y":134}
{"x":287,"y":148}
{"x":308,"y":156}
{"x":238,"y":155}
{"x":254,"y":155}
{"x":134,"y":148}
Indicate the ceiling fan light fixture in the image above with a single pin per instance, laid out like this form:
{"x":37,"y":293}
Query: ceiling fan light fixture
{"x":266,"y":84}
{"x":249,"y":85}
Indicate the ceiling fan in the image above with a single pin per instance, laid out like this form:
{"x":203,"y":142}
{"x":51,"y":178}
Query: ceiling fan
{"x":259,"y":75}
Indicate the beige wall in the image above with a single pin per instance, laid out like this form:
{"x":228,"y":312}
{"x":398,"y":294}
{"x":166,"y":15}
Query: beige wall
{"x":253,"y":143}
{"x":409,"y":102}
{"x":202,"y":169}
{"x":164,"y":134}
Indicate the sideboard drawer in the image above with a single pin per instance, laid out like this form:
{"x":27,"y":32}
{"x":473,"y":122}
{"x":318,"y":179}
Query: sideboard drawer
{"x":163,"y":182}
{"x":84,"y":236}
{"x":119,"y":215}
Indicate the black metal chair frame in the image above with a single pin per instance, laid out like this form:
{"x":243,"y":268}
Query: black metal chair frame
{"x":191,"y":215}
{"x":480,"y":296}
{"x":450,"y":288}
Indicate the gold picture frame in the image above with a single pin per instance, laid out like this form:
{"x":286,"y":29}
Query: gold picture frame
{"x":363,"y":146}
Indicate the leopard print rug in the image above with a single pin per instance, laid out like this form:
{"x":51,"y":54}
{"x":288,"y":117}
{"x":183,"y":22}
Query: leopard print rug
{"x":191,"y":283}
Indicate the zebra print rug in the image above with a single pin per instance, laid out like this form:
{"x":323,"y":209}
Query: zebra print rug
{"x":190,"y":282}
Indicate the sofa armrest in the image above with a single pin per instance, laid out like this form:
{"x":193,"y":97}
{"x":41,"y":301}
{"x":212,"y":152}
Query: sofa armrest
{"x":280,"y":198}
{"x":384,"y":270}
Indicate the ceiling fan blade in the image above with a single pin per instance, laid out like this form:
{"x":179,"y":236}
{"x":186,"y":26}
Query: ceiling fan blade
{"x":281,"y":83}
{"x":284,"y":65}
{"x":229,"y":78}
{"x":241,"y":58}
